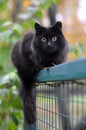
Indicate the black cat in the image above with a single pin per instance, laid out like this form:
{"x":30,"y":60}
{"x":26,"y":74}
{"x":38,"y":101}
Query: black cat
{"x":43,"y":47}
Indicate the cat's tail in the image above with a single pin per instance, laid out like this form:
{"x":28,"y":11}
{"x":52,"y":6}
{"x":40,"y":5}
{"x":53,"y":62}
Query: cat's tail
{"x":29,"y":104}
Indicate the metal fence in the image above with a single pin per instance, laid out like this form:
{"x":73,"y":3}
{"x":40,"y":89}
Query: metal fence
{"x":61,"y":97}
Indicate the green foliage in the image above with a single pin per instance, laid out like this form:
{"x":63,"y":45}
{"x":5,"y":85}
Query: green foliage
{"x":11,"y":117}
{"x":3,"y":4}
{"x":10,"y":103}
{"x":47,"y":3}
{"x":10,"y":34}
{"x":35,"y":12}
{"x":78,"y":49}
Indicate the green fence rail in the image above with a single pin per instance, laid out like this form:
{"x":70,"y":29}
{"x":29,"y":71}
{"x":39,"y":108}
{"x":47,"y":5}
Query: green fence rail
{"x":61,"y":93}
{"x":66,"y":71}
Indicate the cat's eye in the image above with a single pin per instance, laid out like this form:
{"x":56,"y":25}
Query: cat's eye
{"x":43,"y":39}
{"x":54,"y":38}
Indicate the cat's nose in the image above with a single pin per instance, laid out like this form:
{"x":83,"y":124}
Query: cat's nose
{"x":49,"y":44}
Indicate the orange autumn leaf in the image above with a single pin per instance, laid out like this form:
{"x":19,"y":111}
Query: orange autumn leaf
{"x":26,"y":3}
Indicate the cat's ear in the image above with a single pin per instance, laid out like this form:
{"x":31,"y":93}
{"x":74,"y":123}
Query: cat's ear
{"x":39,"y":28}
{"x":58,"y":25}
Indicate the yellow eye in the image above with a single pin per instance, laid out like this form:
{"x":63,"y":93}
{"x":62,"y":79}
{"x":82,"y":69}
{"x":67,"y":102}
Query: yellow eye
{"x":54,"y":38}
{"x":43,"y":39}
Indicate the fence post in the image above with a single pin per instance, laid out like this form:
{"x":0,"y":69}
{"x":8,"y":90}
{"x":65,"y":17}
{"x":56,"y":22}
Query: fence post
{"x":62,"y":108}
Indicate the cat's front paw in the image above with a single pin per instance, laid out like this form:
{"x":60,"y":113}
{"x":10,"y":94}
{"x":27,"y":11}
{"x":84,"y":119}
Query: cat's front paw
{"x":47,"y":68}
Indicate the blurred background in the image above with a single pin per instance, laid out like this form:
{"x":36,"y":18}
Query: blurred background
{"x":17,"y":17}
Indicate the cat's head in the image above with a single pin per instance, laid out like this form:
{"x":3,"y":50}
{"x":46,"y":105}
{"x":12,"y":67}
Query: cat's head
{"x":50,"y":39}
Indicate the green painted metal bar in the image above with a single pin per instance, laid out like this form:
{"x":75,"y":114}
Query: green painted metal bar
{"x":67,"y":71}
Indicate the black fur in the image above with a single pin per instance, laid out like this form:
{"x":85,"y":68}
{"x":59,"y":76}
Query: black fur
{"x":32,"y":54}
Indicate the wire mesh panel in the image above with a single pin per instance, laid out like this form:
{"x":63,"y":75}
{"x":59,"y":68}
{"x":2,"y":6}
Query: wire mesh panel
{"x":61,"y":105}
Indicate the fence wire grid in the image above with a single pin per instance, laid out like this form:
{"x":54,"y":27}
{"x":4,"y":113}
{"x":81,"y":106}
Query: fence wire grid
{"x":61,"y":105}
